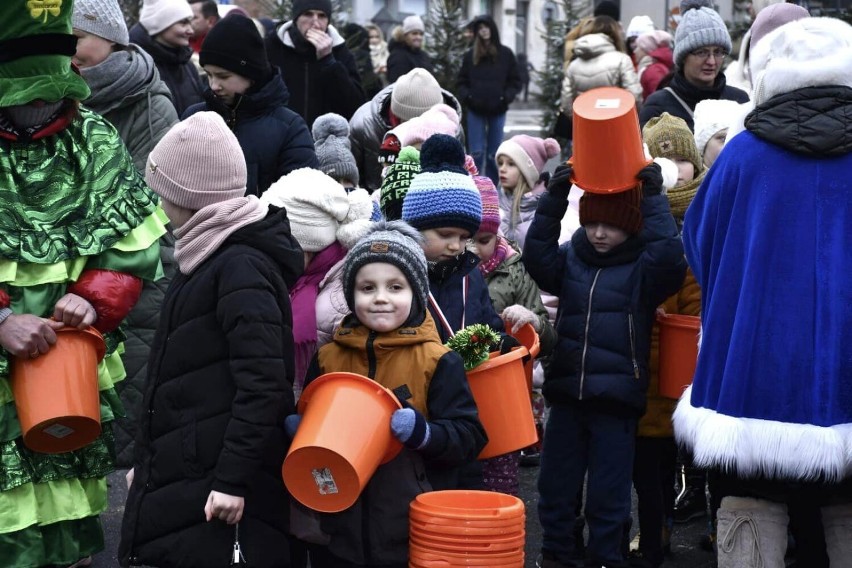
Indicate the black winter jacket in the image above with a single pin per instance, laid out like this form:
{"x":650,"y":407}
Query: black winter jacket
{"x":175,"y":67}
{"x":489,"y":87}
{"x":274,"y":139}
{"x":663,"y":101}
{"x":606,"y":304}
{"x":316,"y":86}
{"x":367,"y":130}
{"x":403,"y":59}
{"x":219,"y":386}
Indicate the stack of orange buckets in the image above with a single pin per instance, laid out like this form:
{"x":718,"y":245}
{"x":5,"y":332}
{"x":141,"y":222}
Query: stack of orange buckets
{"x":466,"y":528}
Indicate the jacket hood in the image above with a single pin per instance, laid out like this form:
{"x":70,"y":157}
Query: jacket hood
{"x":272,"y":236}
{"x":813,"y":121}
{"x":353,"y":335}
{"x":488,"y":21}
{"x":663,"y":54}
{"x":269,"y":96}
{"x":592,"y":45}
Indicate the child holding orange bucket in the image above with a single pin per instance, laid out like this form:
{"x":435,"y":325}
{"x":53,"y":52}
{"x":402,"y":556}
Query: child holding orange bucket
{"x":518,"y":300}
{"x":391,"y":338}
{"x":654,"y":464}
{"x":624,"y":261}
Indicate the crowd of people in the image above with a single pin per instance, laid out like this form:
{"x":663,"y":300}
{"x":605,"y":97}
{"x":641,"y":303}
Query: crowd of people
{"x":239,"y":206}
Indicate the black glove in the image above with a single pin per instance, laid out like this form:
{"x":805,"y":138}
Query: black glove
{"x":651,"y":177}
{"x":507,"y":342}
{"x":560,"y":182}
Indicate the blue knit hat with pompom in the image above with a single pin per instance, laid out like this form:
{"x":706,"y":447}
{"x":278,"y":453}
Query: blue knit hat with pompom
{"x":443,"y":193}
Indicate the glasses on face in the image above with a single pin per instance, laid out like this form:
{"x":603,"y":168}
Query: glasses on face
{"x":704,"y":53}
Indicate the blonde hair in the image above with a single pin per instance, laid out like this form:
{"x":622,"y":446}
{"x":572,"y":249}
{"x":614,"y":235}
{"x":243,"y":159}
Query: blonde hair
{"x":521,"y":189}
{"x":375,"y":28}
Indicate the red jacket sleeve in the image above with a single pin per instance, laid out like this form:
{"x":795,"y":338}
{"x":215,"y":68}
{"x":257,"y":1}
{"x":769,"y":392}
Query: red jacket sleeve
{"x":111,"y":293}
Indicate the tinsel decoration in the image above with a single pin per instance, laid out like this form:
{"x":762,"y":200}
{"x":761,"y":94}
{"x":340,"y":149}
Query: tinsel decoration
{"x":474,"y":343}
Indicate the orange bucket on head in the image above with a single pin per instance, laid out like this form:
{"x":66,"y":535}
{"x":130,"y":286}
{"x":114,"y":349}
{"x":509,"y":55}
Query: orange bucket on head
{"x":528,"y":337}
{"x":678,"y":352}
{"x":499,"y":387}
{"x":56,"y":394}
{"x":608,"y":151}
{"x":343,"y":437}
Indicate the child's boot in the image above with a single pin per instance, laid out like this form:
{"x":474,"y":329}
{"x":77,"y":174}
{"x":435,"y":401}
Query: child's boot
{"x":752,"y":533}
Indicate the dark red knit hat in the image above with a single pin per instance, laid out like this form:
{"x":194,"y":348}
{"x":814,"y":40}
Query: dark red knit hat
{"x":620,"y":210}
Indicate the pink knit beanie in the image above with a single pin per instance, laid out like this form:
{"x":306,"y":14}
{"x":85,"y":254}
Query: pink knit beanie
{"x":197,"y":163}
{"x":530,"y":154}
{"x":490,"y":204}
{"x":650,"y":41}
{"x":440,"y":119}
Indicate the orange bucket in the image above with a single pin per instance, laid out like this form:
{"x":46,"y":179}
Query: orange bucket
{"x":468,"y":505}
{"x":422,"y":556}
{"x":343,"y":437}
{"x":56,"y":394}
{"x":499,"y":386}
{"x":528,"y":337}
{"x":608,"y":150}
{"x":678,"y":352}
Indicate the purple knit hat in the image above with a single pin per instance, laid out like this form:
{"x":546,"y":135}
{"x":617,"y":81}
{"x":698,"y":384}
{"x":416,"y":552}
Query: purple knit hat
{"x":530,"y":154}
{"x":490,"y":204}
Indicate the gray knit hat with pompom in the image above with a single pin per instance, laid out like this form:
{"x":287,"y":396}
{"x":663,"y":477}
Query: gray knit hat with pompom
{"x":331,"y":141}
{"x":699,"y":27}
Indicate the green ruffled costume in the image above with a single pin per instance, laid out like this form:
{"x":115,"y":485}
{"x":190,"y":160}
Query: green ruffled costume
{"x":68,"y":202}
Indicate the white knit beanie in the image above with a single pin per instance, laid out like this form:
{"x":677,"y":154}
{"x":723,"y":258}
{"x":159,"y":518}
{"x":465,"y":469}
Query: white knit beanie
{"x":413,"y":24}
{"x":319,"y":209}
{"x":197,"y":163}
{"x":157,"y":15}
{"x":639,"y":25}
{"x":102,"y":18}
{"x":711,"y":116}
{"x":414,"y":93}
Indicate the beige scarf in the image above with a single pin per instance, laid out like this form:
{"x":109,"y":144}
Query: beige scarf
{"x":681,"y":197}
{"x":205,"y":231}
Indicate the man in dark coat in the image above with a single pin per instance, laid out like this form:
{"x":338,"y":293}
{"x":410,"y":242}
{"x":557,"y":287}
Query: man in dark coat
{"x":320,"y":72}
{"x":701,"y":44}
{"x":406,"y":49}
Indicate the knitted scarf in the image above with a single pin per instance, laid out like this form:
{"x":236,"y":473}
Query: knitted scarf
{"x":123,"y":73}
{"x":680,"y":197}
{"x":205,"y":231}
{"x":303,"y":299}
{"x":501,"y":251}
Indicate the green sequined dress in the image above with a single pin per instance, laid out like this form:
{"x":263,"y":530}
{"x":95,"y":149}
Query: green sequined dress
{"x":68,"y":202}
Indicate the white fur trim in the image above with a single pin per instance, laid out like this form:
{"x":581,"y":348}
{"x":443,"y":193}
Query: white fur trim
{"x":766,"y":448}
{"x":805,"y":53}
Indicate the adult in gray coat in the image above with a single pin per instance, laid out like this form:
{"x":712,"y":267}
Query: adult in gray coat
{"x":411,"y":95}
{"x":127,"y":90}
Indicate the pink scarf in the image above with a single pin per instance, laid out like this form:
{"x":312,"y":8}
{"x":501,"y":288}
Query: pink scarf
{"x":303,"y":299}
{"x":501,"y":251}
{"x":205,"y":231}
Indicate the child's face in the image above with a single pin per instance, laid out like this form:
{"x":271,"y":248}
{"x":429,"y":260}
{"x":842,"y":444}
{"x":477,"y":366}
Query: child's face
{"x":605,"y":237}
{"x":714,"y":146}
{"x":383,"y":296}
{"x":444,"y":243}
{"x":685,"y":170}
{"x":508,"y":171}
{"x":226,"y":84}
{"x":484,"y":244}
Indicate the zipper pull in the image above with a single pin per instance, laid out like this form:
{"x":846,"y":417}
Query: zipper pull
{"x":237,"y":558}
{"x":636,"y":371}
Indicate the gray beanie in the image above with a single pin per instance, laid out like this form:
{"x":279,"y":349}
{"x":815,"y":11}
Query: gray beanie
{"x":102,"y":18}
{"x":701,"y":27}
{"x":331,"y":142}
{"x":414,"y":93}
{"x":396,"y":243}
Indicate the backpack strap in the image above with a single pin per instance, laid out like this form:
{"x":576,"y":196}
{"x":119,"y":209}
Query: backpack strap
{"x":680,"y":100}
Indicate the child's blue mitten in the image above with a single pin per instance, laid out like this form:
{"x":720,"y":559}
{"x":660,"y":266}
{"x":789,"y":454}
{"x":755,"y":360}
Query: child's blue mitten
{"x":291,"y":424}
{"x":410,"y":428}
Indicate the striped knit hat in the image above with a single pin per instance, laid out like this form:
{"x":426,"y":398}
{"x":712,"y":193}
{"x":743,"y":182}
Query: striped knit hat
{"x":490,"y":204}
{"x":443,"y":193}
